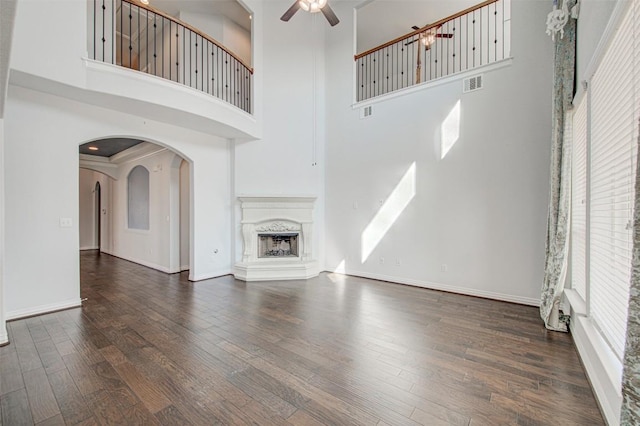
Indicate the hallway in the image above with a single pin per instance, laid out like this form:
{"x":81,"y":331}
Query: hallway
{"x":151,"y":348}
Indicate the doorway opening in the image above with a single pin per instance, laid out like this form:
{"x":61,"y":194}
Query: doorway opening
{"x":139,"y":207}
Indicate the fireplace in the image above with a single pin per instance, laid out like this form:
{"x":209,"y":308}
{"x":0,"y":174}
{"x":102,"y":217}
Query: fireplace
{"x":277,"y":239}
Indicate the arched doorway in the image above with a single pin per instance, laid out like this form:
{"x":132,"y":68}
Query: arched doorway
{"x":163,"y":243}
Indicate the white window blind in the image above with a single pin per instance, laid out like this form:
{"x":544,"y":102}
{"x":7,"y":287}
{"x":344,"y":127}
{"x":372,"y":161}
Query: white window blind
{"x":579,"y":197}
{"x":613,"y":153}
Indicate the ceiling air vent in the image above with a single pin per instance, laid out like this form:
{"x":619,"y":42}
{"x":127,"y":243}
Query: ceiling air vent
{"x":365,"y":112}
{"x":472,"y":83}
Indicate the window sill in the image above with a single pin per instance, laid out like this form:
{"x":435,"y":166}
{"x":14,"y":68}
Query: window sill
{"x":578,"y":305}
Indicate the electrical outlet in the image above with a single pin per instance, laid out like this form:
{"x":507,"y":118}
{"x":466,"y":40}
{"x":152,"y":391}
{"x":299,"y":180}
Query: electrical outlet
{"x":66,"y":222}
{"x":398,"y":261}
{"x":444,"y":267}
{"x":382,"y":260}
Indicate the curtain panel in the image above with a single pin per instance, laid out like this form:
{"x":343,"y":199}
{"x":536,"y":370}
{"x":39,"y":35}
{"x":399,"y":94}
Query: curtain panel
{"x":557,"y":243}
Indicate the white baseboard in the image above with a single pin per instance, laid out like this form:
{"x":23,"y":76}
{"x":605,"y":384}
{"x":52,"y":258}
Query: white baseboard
{"x":89,"y":248}
{"x":603,"y":369}
{"x":4,"y":335}
{"x":43,"y":309}
{"x":448,"y":288}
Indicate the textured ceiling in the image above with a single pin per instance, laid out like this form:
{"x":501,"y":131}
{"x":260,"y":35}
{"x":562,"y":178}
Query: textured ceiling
{"x":108,"y":147}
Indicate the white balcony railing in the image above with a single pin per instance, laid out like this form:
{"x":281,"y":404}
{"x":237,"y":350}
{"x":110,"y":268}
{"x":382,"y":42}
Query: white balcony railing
{"x":471,"y":38}
{"x":140,"y":38}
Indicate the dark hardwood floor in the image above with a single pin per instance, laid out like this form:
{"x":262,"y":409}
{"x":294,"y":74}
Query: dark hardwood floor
{"x":148,"y":348}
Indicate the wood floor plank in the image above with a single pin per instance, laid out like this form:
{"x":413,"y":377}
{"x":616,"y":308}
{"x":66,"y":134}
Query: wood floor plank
{"x":139,"y":415}
{"x":84,"y":377}
{"x":151,"y":348}
{"x":49,"y":355}
{"x":27,"y":355}
{"x":53,"y":421}
{"x":41,"y":399}
{"x":104,"y":409}
{"x":72,"y":404}
{"x":10,"y":372}
{"x":14,"y":409}
{"x":171,"y":416}
{"x":142,"y":387}
{"x":302,"y":418}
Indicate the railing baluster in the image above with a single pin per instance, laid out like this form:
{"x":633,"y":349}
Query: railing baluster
{"x":139,"y":65}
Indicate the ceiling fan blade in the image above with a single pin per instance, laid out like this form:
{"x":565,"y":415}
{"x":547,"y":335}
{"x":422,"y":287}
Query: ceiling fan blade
{"x":411,"y":42}
{"x":330,"y":15}
{"x":415,"y":27}
{"x":291,"y":11}
{"x":445,"y":35}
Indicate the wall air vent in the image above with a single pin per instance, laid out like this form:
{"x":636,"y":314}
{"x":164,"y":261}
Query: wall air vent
{"x":365,"y":112}
{"x":472,"y":83}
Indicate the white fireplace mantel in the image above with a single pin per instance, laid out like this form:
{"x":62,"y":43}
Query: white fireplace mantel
{"x":276,"y":215}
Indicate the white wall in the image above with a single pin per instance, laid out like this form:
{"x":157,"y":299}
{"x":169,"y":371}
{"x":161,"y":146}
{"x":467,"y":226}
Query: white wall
{"x":42,"y":168}
{"x":86,"y":210}
{"x":152,"y":247}
{"x":87,"y":205}
{"x":4,"y":336}
{"x":228,"y":33}
{"x":237,"y":39}
{"x":184,"y":215}
{"x":211,"y":25}
{"x":477,"y":222}
{"x":288,"y":160}
{"x":594,"y":15}
{"x":64,"y":23}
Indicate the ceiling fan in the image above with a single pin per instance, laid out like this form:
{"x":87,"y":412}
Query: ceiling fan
{"x":312,"y":6}
{"x":428,"y":37}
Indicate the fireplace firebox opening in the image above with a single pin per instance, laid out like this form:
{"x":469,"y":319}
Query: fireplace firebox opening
{"x":278,"y":245}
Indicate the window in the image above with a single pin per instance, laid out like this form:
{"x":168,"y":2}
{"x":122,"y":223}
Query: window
{"x":604,"y":133}
{"x":138,"y":198}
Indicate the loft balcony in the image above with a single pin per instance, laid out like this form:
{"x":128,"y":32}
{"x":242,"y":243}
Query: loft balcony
{"x":135,"y":36}
{"x":467,"y":40}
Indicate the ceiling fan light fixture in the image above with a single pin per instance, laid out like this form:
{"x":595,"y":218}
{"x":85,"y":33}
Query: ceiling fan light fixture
{"x":312,"y":6}
{"x":428,"y":38}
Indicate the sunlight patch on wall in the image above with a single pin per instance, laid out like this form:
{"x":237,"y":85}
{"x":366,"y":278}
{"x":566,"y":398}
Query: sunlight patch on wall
{"x":399,"y":199}
{"x":340,"y":269}
{"x":450,"y":130}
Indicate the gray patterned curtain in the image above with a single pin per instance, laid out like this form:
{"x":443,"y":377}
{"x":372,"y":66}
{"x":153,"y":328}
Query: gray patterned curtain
{"x":557,"y":244}
{"x":630,"y":414}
